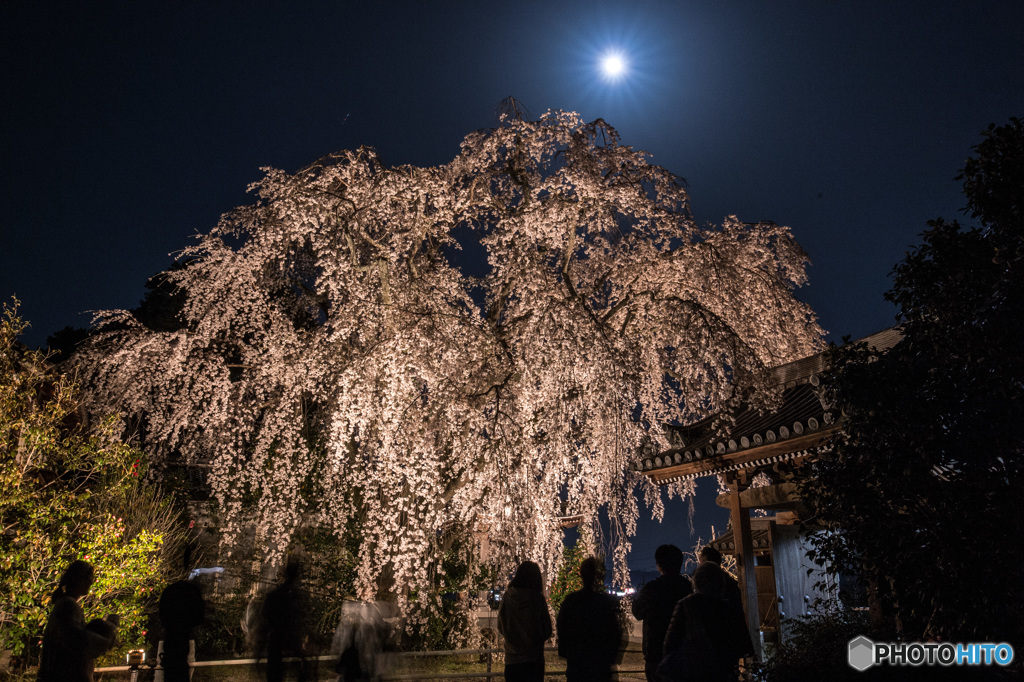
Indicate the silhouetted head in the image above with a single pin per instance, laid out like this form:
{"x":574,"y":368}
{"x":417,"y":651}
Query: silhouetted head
{"x":591,"y":573}
{"x":669,"y":558}
{"x":528,"y":576}
{"x":709,"y":553}
{"x":76,"y":580}
{"x":709,"y":579}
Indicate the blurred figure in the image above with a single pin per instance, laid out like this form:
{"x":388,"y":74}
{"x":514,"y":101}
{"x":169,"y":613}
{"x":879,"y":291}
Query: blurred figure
{"x":706,"y":636}
{"x":360,"y":642}
{"x":181,"y":609}
{"x":70,"y":647}
{"x":589,"y":632}
{"x":524,"y":621}
{"x":654,"y":603}
{"x":283,"y":625}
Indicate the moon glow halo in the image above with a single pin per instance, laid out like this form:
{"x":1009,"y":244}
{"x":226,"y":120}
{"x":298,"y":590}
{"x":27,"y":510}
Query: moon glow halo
{"x":613,"y":66}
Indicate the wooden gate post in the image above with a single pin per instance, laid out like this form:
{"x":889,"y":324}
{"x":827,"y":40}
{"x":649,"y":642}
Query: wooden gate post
{"x":745,"y":554}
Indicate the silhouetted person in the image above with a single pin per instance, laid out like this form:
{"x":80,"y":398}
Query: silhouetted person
{"x":589,"y":632}
{"x":732,"y":588}
{"x":181,"y":609}
{"x":524,"y":621}
{"x":654,"y":603}
{"x":732,"y":592}
{"x":70,"y":647}
{"x":706,"y":636}
{"x":283,"y":617}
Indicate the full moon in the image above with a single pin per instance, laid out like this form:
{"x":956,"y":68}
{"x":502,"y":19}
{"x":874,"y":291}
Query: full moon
{"x":613,"y":65}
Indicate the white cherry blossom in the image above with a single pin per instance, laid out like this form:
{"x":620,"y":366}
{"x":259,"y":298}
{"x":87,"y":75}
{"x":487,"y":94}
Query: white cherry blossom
{"x":337,"y":365}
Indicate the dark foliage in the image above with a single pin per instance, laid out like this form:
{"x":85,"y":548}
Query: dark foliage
{"x":816,"y":649}
{"x":62,"y":344}
{"x":158,"y":310}
{"x":922,"y":490}
{"x":818,"y":646}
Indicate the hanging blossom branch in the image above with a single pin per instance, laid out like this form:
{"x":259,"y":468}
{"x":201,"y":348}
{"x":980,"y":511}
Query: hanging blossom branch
{"x":335,"y":364}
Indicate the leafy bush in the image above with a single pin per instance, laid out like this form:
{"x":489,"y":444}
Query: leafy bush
{"x":930,"y":449}
{"x":816,"y":648}
{"x":69,"y":492}
{"x":442,"y":618}
{"x":329,"y":575}
{"x":568,"y":579}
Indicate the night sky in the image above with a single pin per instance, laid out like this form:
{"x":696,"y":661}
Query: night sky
{"x":129,"y":126}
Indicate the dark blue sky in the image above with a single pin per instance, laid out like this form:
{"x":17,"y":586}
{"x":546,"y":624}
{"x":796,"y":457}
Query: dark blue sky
{"x":125,"y":127}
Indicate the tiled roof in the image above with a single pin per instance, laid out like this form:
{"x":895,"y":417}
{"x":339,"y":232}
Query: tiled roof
{"x":715,"y":445}
{"x":800,"y":413}
{"x":759,"y":538}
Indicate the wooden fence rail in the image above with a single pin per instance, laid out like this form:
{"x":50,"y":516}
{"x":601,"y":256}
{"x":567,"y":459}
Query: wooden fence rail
{"x":488,"y":674}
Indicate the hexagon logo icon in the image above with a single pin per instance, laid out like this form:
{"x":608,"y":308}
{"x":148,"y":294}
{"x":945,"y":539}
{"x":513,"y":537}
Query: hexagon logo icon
{"x":861,"y":653}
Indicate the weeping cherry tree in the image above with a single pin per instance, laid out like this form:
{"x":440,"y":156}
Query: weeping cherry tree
{"x":336,"y":363}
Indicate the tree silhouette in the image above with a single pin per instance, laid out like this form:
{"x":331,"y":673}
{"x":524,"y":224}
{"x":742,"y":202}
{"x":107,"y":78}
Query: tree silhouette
{"x":921,"y":492}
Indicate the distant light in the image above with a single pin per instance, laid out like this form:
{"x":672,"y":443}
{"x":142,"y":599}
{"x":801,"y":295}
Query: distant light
{"x":196,"y":572}
{"x":613,"y":65}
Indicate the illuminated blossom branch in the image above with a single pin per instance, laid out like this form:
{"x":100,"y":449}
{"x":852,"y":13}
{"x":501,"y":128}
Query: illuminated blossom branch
{"x":337,"y":366}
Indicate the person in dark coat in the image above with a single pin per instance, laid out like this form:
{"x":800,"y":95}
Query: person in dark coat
{"x":731,"y":592}
{"x":525,"y":623}
{"x":654,"y":604}
{"x":181,"y":609}
{"x":283,"y":615}
{"x":732,"y":587}
{"x":589,"y":632}
{"x":706,"y":636}
{"x":70,"y":647}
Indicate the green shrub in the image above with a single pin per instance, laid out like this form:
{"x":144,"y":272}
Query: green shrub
{"x":816,"y":648}
{"x":70,"y":492}
{"x":568,"y":579}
